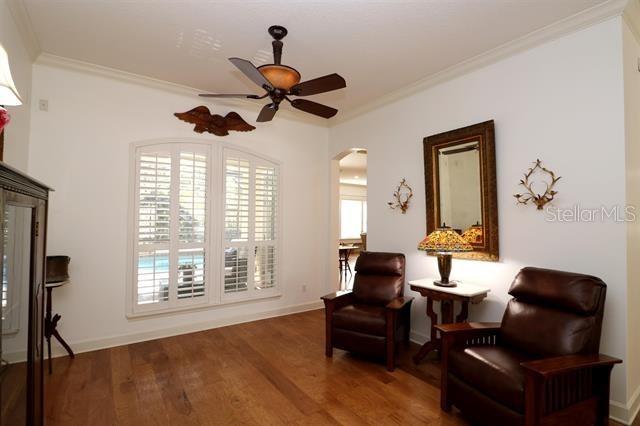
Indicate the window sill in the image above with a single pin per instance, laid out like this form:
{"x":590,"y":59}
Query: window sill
{"x":200,"y":307}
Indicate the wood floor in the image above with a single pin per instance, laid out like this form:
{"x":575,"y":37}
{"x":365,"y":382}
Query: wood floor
{"x":270,"y":372}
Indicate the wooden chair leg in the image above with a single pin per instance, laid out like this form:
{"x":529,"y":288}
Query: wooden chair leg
{"x":602,"y":379}
{"x":328,"y":350}
{"x":533,"y":399}
{"x":407,"y":325}
{"x":391,"y":340}
{"x":445,"y":402}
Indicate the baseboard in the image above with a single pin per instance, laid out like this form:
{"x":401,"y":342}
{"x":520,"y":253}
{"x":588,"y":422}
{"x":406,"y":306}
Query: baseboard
{"x":109,"y":342}
{"x":418,"y":338}
{"x":626,"y":413}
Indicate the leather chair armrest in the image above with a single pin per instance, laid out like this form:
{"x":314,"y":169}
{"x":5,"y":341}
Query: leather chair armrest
{"x":468,"y":328}
{"x":399,"y":303}
{"x":337,"y":299}
{"x":549,"y":367}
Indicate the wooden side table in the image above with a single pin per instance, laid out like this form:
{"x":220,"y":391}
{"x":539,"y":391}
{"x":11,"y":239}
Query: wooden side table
{"x":465,"y":293}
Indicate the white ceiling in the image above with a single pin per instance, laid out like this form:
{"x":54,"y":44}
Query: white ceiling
{"x":353,"y":169}
{"x":378,"y":47}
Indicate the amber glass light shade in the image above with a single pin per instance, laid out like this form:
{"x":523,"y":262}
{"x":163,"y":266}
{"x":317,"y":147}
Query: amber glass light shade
{"x":474,"y":235}
{"x":444,"y":240}
{"x":281,"y":76}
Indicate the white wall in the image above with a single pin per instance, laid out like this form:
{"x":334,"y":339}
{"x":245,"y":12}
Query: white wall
{"x":81,"y":148}
{"x":561,"y":102}
{"x":16,"y":134}
{"x":632,"y":124}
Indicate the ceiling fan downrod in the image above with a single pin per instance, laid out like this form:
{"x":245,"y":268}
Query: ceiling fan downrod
{"x":278,"y":33}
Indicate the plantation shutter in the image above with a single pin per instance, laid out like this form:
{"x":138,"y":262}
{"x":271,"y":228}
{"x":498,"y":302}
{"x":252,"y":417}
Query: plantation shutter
{"x":251,"y":187}
{"x":154,"y":203}
{"x":266,"y":207}
{"x":191,"y":251}
{"x":171,"y":225}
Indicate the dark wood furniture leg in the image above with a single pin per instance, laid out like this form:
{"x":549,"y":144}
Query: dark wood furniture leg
{"x":50,"y":324}
{"x":390,"y":341}
{"x":434,"y":342}
{"x":464,"y":312}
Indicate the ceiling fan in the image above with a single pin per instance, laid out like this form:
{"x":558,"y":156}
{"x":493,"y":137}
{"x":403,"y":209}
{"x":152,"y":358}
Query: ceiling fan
{"x":281,"y":81}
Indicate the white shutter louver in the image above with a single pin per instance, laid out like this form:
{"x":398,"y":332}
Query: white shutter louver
{"x":193,"y":186}
{"x":236,"y":225}
{"x":154,"y":198}
{"x":250,"y":224}
{"x":153,"y":276}
{"x":192,"y":206}
{"x":265,"y":267}
{"x":236,"y":201}
{"x":266,"y":203}
{"x":191,"y":273}
{"x":171,"y":225}
{"x":236,"y":272}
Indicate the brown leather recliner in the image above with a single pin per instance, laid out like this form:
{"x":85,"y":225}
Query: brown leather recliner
{"x":375,"y":316}
{"x":541,"y":364}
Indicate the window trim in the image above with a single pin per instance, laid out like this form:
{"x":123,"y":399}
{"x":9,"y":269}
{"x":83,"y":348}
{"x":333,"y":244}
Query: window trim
{"x":214,"y":286}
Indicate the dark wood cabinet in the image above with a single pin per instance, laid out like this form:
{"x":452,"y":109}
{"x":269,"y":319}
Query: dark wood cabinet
{"x":23,"y":219}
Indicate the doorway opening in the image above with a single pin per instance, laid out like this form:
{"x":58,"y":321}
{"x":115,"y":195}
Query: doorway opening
{"x":352,"y":216}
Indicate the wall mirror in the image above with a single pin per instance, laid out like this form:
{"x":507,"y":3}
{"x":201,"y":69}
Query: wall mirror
{"x":460,"y":183}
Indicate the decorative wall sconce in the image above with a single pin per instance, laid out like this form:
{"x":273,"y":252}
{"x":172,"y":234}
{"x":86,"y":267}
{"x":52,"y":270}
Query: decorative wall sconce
{"x":402,"y":195}
{"x":538,"y":199}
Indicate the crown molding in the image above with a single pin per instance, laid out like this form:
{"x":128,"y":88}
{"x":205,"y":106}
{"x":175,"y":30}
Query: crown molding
{"x":25,"y":28}
{"x":631,"y":16}
{"x":558,"y":29}
{"x":116,"y":74}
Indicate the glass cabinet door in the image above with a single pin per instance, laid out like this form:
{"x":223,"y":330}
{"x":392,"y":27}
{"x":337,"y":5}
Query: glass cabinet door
{"x":21,"y":319}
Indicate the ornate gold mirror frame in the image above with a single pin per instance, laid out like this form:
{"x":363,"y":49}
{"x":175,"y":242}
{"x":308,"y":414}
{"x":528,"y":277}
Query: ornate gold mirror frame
{"x":483,"y":133}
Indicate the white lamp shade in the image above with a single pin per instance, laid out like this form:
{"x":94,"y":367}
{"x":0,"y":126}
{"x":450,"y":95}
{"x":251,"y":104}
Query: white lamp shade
{"x":8,"y":92}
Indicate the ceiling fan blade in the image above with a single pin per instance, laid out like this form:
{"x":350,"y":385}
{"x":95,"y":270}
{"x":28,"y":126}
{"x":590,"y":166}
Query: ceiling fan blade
{"x":229,"y":95}
{"x":314,"y":108}
{"x":267,"y":113}
{"x":319,"y":85}
{"x":252,"y":72}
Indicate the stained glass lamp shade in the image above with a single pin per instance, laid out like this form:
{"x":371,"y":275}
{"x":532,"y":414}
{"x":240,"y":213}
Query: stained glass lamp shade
{"x":473,"y":235}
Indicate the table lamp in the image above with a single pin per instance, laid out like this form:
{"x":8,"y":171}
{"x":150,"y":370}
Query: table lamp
{"x":444,"y":241}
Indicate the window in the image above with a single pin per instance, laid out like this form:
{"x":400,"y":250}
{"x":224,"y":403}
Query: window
{"x":171,"y":225}
{"x":353,"y":218}
{"x":250,"y":225}
{"x":176,"y":229}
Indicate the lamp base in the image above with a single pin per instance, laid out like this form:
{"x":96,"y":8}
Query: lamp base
{"x":446,"y":284}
